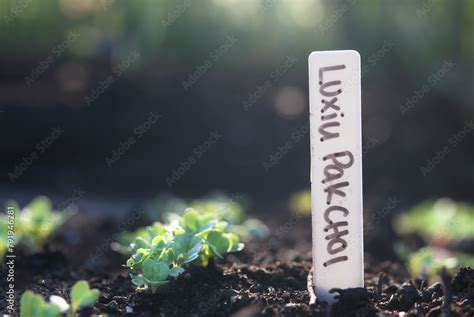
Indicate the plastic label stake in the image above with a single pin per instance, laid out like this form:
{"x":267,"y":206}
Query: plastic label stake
{"x":336,"y":171}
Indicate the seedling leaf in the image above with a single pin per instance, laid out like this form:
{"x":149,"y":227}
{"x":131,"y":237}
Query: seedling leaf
{"x":191,"y":219}
{"x":439,"y":222}
{"x":138,"y":280}
{"x":30,"y":304}
{"x":193,"y":252}
{"x":175,"y":271}
{"x":51,"y":310}
{"x":194,"y":237}
{"x":155,"y":271}
{"x":83,"y":296}
{"x":219,"y":243}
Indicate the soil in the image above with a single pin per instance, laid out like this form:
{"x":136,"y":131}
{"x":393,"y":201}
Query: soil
{"x":268,"y":278}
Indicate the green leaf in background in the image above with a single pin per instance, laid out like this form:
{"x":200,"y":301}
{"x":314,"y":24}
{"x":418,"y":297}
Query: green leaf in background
{"x":33,"y":225}
{"x":140,"y":243}
{"x":30,"y":304}
{"x":220,"y":207}
{"x":195,"y":221}
{"x":300,"y":203}
{"x":34,"y":305}
{"x":428,"y":262}
{"x":191,"y":220}
{"x":51,"y":310}
{"x":439,"y":222}
{"x":83,"y":296}
{"x":40,"y":209}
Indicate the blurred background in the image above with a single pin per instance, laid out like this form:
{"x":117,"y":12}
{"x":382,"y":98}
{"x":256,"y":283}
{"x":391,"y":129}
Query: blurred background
{"x":126,"y":99}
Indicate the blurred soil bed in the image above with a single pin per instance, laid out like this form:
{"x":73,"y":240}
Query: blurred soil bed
{"x":268,"y":278}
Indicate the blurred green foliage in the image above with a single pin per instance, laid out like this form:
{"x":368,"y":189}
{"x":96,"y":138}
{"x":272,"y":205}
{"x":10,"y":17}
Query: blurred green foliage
{"x":300,"y":203}
{"x":437,"y":221}
{"x":229,"y":208}
{"x":32,"y":226}
{"x":428,"y":261}
{"x":34,"y":305}
{"x":192,"y":29}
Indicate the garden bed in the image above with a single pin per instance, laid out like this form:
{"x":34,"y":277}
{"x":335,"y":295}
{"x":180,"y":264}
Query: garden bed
{"x":267,"y":278}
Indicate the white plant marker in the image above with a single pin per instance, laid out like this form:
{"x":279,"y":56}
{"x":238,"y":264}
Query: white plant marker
{"x":336,"y":171}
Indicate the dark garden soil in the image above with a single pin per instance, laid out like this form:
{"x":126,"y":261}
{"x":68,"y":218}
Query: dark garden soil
{"x":268,"y":278}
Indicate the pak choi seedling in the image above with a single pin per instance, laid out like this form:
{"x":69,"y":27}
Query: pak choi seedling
{"x":428,"y":262}
{"x":300,"y":203}
{"x":82,"y":295}
{"x":165,"y":251}
{"x":438,"y":222}
{"x":218,"y":206}
{"x":33,"y":225}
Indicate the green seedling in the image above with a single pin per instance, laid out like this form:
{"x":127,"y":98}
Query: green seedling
{"x":428,"y":261}
{"x":250,"y":229}
{"x":34,"y":305}
{"x":300,"y":203}
{"x":438,"y":222}
{"x":83,"y":296}
{"x":38,"y":221}
{"x":155,"y":274}
{"x":193,"y":238}
{"x":218,"y":207}
{"x":31,"y":226}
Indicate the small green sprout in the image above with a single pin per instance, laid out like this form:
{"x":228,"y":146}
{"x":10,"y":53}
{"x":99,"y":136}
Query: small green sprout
{"x":428,"y":262}
{"x":438,"y":222}
{"x":83,"y":296}
{"x":33,"y":225}
{"x":193,"y":238}
{"x":32,"y":304}
{"x":38,"y":221}
{"x":300,"y":203}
